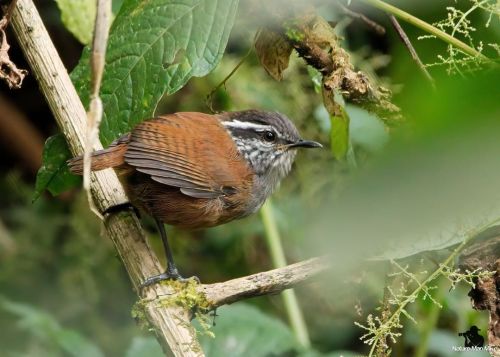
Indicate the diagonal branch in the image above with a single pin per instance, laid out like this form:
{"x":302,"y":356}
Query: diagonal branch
{"x":265,"y":283}
{"x":170,"y":323}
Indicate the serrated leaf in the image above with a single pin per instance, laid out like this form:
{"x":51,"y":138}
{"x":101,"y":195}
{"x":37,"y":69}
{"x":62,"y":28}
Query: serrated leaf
{"x":78,"y":16}
{"x":155,"y":47}
{"x":273,"y":52}
{"x":54,"y":174}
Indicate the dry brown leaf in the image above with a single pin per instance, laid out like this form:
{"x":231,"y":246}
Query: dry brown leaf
{"x":273,"y":52}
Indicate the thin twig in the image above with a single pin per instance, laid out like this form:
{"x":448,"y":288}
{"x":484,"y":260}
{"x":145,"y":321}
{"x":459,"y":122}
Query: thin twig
{"x":379,"y":29}
{"x":209,"y":100}
{"x":94,"y":115}
{"x":408,"y":44}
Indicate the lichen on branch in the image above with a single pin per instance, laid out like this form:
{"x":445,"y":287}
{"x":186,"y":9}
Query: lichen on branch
{"x":314,"y":40}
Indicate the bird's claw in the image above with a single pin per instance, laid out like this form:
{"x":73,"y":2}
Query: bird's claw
{"x":172,"y":275}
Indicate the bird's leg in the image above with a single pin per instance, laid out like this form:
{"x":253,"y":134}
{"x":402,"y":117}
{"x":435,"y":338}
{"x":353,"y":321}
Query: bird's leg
{"x":171,"y":270}
{"x":171,"y":273}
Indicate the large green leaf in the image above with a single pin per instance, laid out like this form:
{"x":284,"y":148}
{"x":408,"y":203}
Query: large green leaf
{"x":54,"y":174}
{"x":154,"y":48}
{"x":243,"y":330}
{"x":44,"y":328}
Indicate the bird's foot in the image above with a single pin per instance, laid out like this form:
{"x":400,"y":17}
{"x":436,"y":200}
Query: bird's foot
{"x":167,"y":275}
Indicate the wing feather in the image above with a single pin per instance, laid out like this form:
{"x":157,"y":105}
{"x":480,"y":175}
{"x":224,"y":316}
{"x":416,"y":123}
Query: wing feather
{"x":177,"y":150}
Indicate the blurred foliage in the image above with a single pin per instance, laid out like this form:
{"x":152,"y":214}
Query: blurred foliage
{"x":62,"y":286}
{"x":78,"y":16}
{"x":54,"y":174}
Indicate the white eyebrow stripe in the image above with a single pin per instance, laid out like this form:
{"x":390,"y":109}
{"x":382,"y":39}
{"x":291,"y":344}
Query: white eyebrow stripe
{"x":246,"y":125}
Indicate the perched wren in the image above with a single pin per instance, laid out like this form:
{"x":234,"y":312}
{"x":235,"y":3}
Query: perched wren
{"x":195,"y":170}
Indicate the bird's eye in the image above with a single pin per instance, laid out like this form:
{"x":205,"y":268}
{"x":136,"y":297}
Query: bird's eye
{"x":269,"y":136}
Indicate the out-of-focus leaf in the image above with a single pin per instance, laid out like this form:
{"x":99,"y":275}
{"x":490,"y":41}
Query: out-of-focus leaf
{"x":365,"y":129}
{"x":54,"y":174}
{"x":433,"y":185}
{"x":116,"y":6}
{"x":243,"y":330}
{"x":45,"y":328}
{"x":144,"y":347}
{"x":78,"y":16}
{"x":273,"y":52}
{"x":339,"y":134}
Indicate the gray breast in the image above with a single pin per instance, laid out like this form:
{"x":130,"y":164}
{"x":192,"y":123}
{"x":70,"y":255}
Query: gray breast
{"x":266,"y":183}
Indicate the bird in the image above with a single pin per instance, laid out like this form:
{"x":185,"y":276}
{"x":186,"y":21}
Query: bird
{"x":195,"y":170}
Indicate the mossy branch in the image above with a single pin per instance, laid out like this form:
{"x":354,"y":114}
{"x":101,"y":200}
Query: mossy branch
{"x":171,"y":325}
{"x":265,"y":283}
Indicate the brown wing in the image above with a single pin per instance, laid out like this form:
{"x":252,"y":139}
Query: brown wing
{"x":191,"y":151}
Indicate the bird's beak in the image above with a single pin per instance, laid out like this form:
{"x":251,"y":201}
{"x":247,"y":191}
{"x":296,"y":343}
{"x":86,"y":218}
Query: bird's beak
{"x":305,"y":144}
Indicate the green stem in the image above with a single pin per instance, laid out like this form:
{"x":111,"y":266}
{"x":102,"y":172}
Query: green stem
{"x":430,"y":323}
{"x":411,"y":297}
{"x":426,"y":27}
{"x":292,"y":307}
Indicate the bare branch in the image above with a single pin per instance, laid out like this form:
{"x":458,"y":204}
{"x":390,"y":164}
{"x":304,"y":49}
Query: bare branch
{"x":265,"y":283}
{"x":407,"y":42}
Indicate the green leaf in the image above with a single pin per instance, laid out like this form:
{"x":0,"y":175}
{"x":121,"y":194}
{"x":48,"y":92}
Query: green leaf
{"x":339,"y":133}
{"x":45,"y":328}
{"x":54,"y":174}
{"x":243,"y":330}
{"x":154,"y":48}
{"x":78,"y":16}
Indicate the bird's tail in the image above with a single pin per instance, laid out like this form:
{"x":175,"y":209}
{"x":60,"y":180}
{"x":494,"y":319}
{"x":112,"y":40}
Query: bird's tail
{"x":112,"y":156}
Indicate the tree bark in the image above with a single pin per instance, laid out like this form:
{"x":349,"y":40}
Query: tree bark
{"x":171,"y":325}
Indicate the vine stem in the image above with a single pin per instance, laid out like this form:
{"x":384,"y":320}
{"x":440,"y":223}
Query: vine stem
{"x":411,"y":297}
{"x":403,"y":15}
{"x":290,"y":301}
